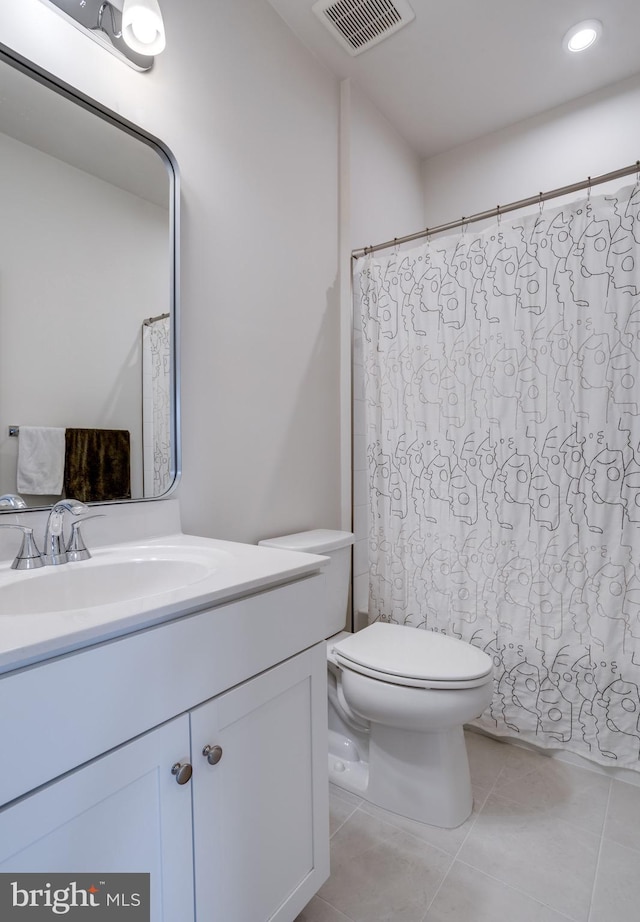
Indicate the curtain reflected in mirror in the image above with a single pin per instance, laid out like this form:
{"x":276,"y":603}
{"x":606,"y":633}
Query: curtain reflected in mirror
{"x":156,"y":404}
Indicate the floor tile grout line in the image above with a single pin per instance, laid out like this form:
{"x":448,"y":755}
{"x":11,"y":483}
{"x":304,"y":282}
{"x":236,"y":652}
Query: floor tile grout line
{"x":474,"y":821}
{"x":491,"y":790}
{"x":474,"y":867}
{"x":327,"y":903}
{"x":565,"y":822}
{"x":451,"y":857}
{"x":556,"y":763}
{"x":515,"y":889}
{"x":438,"y":889}
{"x":597,"y":868}
{"x":399,"y":828}
{"x":625,"y":846}
{"x":345,"y":820}
{"x":454,"y":857}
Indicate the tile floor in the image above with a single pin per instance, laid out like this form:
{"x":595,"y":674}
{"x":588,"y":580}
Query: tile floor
{"x":546,"y":842}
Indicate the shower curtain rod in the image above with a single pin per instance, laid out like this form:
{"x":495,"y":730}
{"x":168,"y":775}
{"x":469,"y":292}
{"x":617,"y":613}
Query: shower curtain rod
{"x":150,"y":320}
{"x":499,"y":210}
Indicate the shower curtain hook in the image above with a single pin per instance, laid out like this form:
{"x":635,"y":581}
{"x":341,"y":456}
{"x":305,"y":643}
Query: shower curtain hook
{"x":540,"y":203}
{"x":498,"y":215}
{"x":589,"y":188}
{"x":396,"y":246}
{"x":637,"y":172}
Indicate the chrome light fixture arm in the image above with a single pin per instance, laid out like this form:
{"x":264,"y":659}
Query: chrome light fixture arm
{"x":115,"y":32}
{"x":133,"y":30}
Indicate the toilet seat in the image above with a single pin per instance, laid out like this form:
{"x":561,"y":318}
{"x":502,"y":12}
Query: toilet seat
{"x":413,"y":658}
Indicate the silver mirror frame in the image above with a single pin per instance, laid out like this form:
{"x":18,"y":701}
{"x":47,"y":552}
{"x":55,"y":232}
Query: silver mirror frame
{"x":12,"y":58}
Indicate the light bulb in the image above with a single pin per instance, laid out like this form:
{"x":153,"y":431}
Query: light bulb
{"x":142,"y":26}
{"x":583,"y":35}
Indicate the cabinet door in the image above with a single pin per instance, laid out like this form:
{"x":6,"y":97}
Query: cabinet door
{"x":261,"y":813}
{"x":121,"y":812}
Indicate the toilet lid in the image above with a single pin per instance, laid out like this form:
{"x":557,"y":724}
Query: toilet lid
{"x":409,"y":656}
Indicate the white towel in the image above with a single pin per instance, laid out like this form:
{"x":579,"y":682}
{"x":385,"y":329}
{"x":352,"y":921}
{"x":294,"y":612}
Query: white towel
{"x":40,"y":460}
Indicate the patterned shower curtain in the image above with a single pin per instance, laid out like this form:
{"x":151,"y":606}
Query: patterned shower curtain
{"x":502,"y":381}
{"x":156,"y":406}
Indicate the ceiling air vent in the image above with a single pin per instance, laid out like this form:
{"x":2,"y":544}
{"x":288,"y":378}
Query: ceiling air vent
{"x":360,"y":24}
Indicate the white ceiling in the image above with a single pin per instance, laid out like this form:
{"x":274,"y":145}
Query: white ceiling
{"x":465,"y":68}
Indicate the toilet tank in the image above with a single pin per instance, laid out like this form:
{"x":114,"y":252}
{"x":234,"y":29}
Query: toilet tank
{"x":336,"y":545}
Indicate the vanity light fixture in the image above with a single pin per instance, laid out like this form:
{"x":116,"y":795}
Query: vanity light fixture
{"x":582,"y":36}
{"x":133,"y":30}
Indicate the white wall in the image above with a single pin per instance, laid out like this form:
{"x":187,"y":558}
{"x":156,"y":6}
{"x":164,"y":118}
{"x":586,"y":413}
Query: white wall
{"x":588,"y":137}
{"x":252,"y":119}
{"x":71,"y":308}
{"x":385,"y":177}
{"x":385,"y":201}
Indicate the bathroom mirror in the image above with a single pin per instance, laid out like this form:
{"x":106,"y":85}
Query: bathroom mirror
{"x":88,"y":306}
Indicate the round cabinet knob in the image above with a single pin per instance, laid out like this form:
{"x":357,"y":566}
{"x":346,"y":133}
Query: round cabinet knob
{"x":182,"y":771}
{"x":213,"y":754}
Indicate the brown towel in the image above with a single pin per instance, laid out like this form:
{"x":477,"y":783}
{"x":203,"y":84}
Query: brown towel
{"x":97,"y":464}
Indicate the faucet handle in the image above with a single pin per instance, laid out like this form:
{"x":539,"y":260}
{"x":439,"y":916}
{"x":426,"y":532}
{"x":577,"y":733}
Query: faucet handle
{"x":71,"y":505}
{"x":12,"y":501}
{"x":28,"y":557}
{"x":76,"y":548}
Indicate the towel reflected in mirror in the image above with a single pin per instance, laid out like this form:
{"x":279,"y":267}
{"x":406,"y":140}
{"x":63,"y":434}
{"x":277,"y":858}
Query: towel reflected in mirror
{"x":97,"y":464}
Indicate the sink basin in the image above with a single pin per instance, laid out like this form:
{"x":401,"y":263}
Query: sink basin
{"x":130,"y":586}
{"x":103,"y":580}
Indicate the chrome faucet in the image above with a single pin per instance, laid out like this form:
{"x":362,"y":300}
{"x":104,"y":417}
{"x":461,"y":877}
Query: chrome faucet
{"x":55,"y":551}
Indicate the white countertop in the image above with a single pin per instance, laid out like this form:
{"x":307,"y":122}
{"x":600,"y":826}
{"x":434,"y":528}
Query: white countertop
{"x":230,"y":569}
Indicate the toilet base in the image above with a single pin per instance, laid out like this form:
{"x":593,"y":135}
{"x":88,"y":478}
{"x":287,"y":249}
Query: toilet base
{"x":429,"y":782}
{"x":350,"y":776}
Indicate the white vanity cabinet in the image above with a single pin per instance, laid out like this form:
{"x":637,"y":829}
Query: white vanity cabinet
{"x":123,"y":811}
{"x":260,"y":812}
{"x":89,"y":740}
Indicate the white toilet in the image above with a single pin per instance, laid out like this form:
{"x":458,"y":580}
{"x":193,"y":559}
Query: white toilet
{"x":398,"y":698}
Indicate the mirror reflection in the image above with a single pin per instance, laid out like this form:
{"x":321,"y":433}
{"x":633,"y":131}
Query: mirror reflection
{"x":86,"y":307}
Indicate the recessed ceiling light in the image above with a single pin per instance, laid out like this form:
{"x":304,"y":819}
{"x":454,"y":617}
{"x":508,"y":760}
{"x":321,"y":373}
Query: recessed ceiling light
{"x":582,"y":36}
